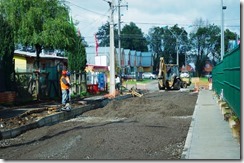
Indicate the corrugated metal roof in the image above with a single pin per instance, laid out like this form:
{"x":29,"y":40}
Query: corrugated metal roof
{"x":42,"y":55}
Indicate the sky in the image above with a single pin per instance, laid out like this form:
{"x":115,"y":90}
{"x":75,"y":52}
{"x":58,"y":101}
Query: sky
{"x":92,"y":14}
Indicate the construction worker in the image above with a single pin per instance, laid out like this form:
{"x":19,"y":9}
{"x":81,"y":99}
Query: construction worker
{"x":117,"y":82}
{"x":64,"y":88}
{"x":69,"y":90}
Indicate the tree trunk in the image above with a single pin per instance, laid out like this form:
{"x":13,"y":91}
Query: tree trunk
{"x":38,"y":52}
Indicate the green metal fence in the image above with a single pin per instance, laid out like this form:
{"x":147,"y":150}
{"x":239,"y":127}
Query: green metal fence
{"x":227,"y":80}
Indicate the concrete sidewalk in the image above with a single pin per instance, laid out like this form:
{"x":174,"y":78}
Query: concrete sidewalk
{"x":210,"y":136}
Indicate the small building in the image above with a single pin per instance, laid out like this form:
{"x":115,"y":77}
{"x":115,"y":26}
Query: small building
{"x":147,"y":61}
{"x":132,"y":61}
{"x":26,"y":61}
{"x":101,"y":57}
{"x":126,"y":65}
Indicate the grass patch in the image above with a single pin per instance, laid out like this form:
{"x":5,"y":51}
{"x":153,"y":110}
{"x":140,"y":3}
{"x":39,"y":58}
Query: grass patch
{"x":143,"y":81}
{"x":203,"y":80}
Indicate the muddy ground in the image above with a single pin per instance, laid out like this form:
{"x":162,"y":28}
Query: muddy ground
{"x":151,"y":127}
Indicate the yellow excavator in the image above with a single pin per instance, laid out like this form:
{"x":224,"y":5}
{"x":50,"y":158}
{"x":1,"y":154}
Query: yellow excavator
{"x":168,"y":77}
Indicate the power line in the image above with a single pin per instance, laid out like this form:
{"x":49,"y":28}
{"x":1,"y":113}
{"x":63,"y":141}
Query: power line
{"x":96,"y":21}
{"x":85,"y":9}
{"x":171,"y":24}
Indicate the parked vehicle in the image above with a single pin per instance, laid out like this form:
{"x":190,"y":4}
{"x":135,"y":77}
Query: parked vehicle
{"x":131,"y":75}
{"x":185,"y":76}
{"x":148,"y":75}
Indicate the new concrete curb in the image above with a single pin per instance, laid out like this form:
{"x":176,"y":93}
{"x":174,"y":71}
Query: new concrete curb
{"x":185,"y":152}
{"x":45,"y":121}
{"x":92,"y":103}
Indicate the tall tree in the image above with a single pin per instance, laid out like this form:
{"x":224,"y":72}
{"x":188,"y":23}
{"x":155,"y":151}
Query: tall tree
{"x":207,"y":42}
{"x":174,"y":37}
{"x":42,"y":24}
{"x":6,"y":54}
{"x":104,"y":37}
{"x":155,"y":44}
{"x":77,"y":57}
{"x":132,"y":38}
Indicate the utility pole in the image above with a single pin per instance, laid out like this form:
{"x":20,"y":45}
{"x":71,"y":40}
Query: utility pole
{"x":119,"y":30}
{"x":177,"y":51}
{"x":177,"y":43}
{"x":112,"y":63}
{"x":222,"y":30}
{"x":119,"y":41}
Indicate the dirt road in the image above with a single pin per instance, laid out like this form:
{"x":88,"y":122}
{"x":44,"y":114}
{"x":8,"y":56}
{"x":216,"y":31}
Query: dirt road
{"x":152,"y":127}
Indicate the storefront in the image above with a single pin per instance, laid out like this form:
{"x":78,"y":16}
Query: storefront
{"x":96,"y":78}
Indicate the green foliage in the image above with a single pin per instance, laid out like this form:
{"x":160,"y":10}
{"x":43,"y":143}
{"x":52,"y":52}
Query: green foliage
{"x":170,"y":36}
{"x":103,"y":35}
{"x":77,"y":56}
{"x":6,"y":52}
{"x":43,"y":24}
{"x":207,"y":41}
{"x":162,"y":41}
{"x":132,"y":38}
{"x":84,"y":94}
{"x":155,"y":43}
{"x":229,"y":36}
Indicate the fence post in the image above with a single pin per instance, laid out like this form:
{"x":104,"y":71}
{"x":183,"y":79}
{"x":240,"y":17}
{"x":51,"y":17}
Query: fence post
{"x":83,"y":85}
{"x":79,"y":86}
{"x":75,"y":86}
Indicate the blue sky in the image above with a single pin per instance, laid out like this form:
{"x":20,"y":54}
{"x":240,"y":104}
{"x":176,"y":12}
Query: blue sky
{"x":93,"y":14}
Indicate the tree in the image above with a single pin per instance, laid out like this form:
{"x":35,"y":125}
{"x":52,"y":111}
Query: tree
{"x":163,"y":43}
{"x":132,"y":38}
{"x":154,"y":39}
{"x":229,"y":36}
{"x":173,"y":38}
{"x":207,"y":42}
{"x":77,"y":55}
{"x":77,"y":58}
{"x":6,"y":53}
{"x":42,"y":24}
{"x":104,"y":37}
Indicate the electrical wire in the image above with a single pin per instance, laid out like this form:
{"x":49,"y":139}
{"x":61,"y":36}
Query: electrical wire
{"x":84,"y":8}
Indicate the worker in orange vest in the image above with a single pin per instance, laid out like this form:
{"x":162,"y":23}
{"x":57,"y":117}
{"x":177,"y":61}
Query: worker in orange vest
{"x":64,"y":87}
{"x":69,"y":90}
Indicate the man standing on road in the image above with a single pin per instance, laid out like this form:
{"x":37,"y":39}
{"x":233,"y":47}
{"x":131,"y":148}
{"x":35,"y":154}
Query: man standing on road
{"x":64,"y":88}
{"x":69,"y":90}
{"x":117,"y":83}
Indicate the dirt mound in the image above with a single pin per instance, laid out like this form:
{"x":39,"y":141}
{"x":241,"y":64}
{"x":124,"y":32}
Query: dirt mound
{"x":157,"y":104}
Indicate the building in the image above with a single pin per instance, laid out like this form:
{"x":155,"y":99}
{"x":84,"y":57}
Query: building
{"x":147,"y":61}
{"x":26,"y":61}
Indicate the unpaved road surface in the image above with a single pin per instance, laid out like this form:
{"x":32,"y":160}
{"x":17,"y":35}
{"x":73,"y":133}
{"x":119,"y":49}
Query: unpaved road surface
{"x":152,"y":127}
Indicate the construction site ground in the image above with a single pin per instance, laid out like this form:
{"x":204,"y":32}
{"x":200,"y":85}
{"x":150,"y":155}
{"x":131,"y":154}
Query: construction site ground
{"x":152,"y":127}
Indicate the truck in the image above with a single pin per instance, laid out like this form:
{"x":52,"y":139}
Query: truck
{"x":169,"y":77}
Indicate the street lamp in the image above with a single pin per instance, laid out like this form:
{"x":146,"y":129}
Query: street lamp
{"x":222,"y":30}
